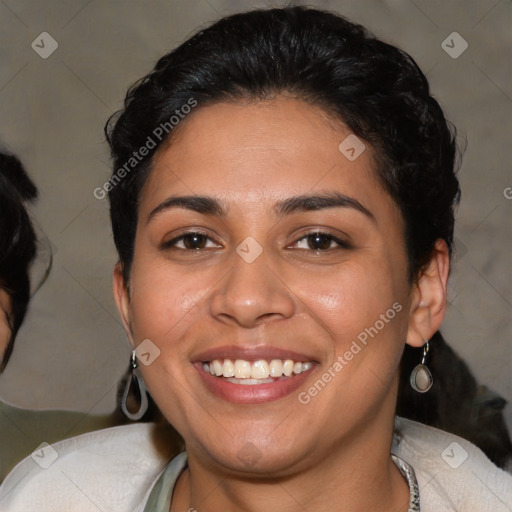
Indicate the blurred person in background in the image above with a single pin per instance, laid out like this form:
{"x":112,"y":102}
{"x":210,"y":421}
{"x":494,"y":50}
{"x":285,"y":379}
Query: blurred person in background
{"x":23,"y":430}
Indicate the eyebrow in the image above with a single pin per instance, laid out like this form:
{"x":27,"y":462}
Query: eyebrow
{"x":310,"y":202}
{"x":320,"y":202}
{"x":200,"y":204}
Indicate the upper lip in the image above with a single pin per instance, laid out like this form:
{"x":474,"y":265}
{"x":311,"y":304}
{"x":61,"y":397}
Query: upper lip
{"x":250,"y":353}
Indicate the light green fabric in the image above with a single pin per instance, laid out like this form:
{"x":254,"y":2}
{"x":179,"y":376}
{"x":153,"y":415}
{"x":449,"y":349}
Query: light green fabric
{"x":161,"y":495}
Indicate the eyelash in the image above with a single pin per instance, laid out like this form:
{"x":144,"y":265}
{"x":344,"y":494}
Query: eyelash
{"x":341,"y":244}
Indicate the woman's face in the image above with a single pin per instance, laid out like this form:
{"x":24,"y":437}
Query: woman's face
{"x":5,"y":329}
{"x":259,"y":240}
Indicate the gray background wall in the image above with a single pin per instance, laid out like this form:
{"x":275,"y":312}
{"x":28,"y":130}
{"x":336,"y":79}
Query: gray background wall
{"x":71,"y":351}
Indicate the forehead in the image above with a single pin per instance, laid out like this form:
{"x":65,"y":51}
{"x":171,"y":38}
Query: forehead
{"x":267,"y":150}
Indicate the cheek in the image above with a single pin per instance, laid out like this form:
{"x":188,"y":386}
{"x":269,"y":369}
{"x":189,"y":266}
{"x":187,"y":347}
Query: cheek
{"x":327,"y":300}
{"x":160,"y":304}
{"x":166,"y":301}
{"x":352,"y":300}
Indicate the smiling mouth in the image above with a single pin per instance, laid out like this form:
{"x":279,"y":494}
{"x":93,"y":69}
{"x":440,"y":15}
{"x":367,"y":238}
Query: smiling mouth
{"x":257,"y":372}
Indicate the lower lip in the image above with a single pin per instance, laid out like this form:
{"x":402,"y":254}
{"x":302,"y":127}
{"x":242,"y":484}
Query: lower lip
{"x":252,"y":394}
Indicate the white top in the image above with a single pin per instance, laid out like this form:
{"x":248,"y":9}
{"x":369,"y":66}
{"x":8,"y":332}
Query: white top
{"x":114,"y":470}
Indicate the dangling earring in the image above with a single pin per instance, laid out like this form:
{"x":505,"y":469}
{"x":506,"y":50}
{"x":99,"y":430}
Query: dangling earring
{"x":421,"y":379}
{"x":139,"y":391}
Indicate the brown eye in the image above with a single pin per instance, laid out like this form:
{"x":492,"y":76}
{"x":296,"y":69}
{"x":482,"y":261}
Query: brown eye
{"x":319,"y":241}
{"x":190,"y":241}
{"x":195,"y":241}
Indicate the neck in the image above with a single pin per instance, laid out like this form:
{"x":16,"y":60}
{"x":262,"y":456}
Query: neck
{"x":356,"y":474}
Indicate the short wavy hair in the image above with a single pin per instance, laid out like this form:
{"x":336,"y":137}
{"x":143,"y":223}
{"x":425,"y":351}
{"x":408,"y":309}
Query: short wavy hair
{"x":17,"y":241}
{"x":376,"y":89}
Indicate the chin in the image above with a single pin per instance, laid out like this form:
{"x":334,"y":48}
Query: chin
{"x":257,"y":456}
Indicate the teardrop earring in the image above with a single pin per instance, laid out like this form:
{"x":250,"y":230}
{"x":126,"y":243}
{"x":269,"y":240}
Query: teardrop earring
{"x":139,"y":391}
{"x":421,"y":379}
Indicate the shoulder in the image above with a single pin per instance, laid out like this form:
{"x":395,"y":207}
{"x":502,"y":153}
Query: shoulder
{"x":453,"y":474}
{"x":22,"y":430}
{"x":111,"y":469}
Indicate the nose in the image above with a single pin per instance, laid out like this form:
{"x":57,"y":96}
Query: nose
{"x":251,"y":294}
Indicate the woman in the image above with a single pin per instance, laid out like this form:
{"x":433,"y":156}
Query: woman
{"x":17,"y":250}
{"x":22,"y":268}
{"x":282,"y":204}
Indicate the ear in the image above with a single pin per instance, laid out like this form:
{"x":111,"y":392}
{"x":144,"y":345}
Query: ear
{"x":428,"y":305}
{"x":122,"y":299}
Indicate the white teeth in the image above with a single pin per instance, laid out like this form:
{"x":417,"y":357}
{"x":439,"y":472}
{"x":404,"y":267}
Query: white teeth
{"x":307,"y":366}
{"x":259,"y":370}
{"x":242,"y":369}
{"x":249,"y":382}
{"x":276,"y":368}
{"x":217,"y":368}
{"x":228,"y":369}
{"x":288,"y":367}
